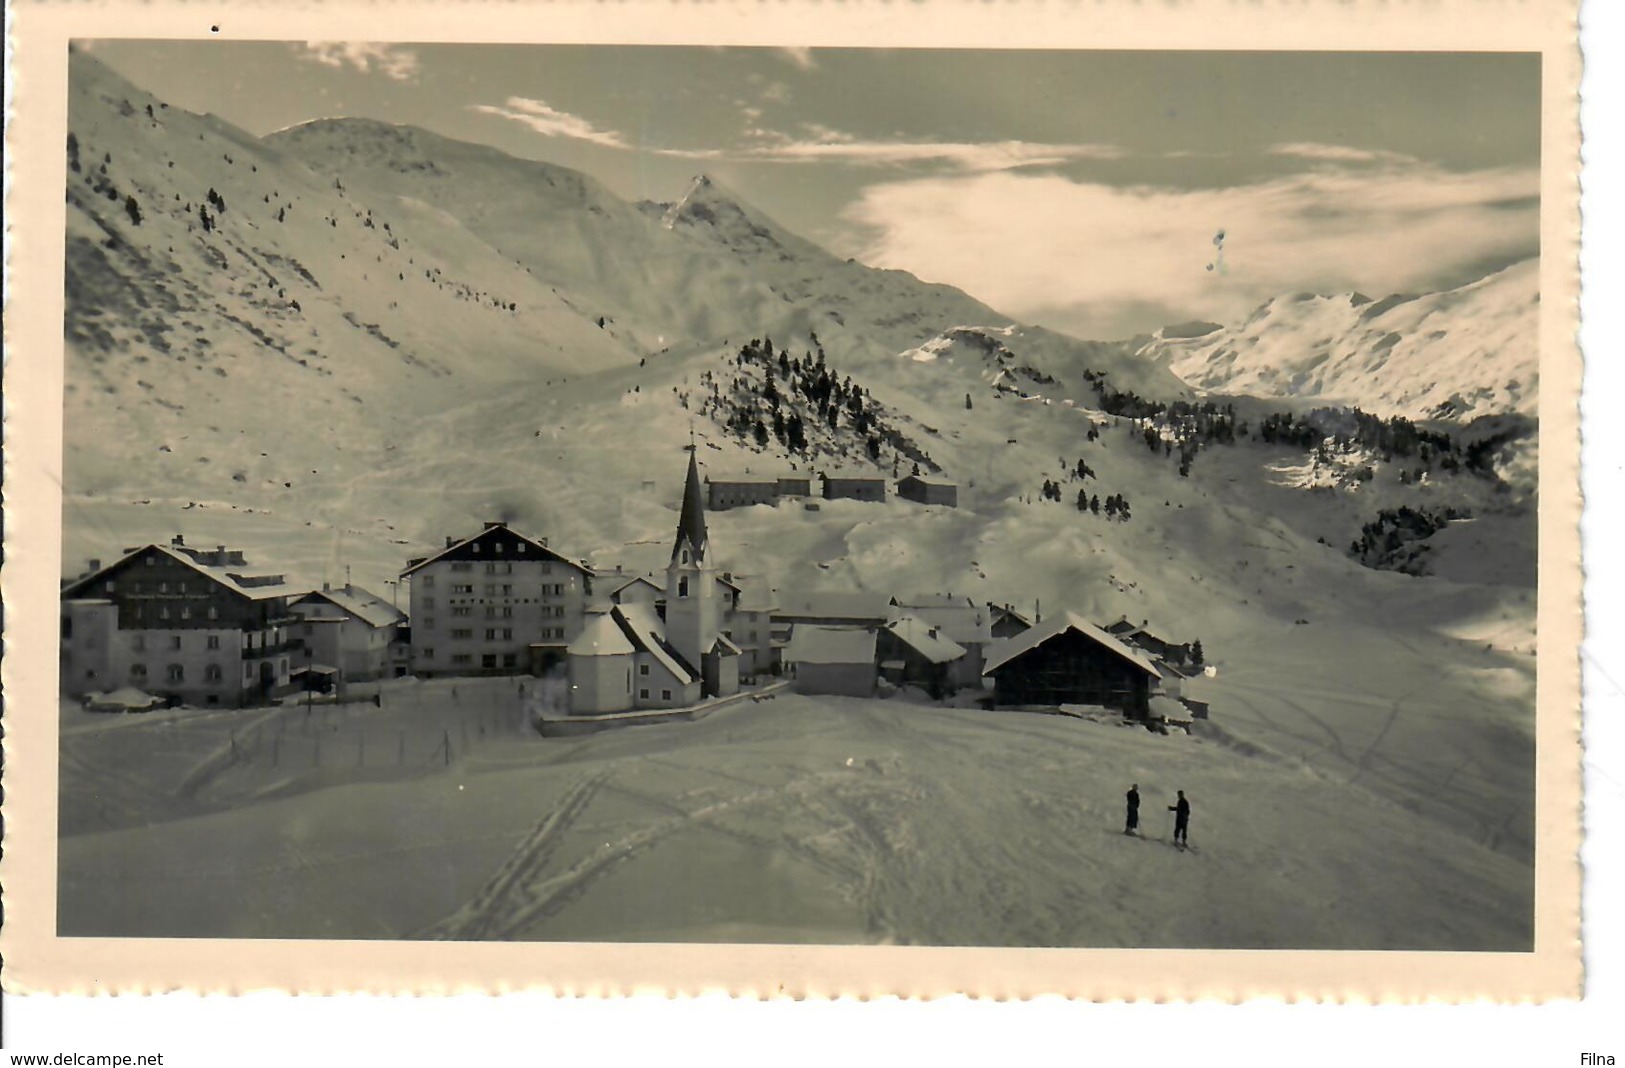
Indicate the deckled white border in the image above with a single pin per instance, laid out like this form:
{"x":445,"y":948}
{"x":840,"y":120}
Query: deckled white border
{"x":36,"y":960}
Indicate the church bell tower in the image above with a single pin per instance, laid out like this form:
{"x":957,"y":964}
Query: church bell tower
{"x":693,"y":611}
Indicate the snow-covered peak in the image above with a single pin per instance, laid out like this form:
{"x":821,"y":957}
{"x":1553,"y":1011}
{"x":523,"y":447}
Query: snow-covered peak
{"x":1459,"y":353}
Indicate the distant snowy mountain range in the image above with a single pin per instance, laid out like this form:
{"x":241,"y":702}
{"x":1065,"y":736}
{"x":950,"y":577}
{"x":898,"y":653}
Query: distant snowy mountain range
{"x":1453,"y":355}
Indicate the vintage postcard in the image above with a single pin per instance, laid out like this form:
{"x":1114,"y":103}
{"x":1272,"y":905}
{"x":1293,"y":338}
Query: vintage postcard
{"x":797,"y":500}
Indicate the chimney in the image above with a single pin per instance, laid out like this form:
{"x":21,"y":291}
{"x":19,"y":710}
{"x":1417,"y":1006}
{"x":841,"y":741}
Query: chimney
{"x":450,"y":541}
{"x":489,"y":523}
{"x":326,"y":587}
{"x":221,"y":549}
{"x":95,"y":564}
{"x":177,"y":540}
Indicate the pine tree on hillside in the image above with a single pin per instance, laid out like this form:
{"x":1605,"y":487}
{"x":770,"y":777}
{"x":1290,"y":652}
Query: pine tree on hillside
{"x":968,"y":405}
{"x":133,"y":209}
{"x":1196,"y":652}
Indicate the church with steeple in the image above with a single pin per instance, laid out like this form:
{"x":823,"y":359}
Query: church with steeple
{"x":630,"y":656}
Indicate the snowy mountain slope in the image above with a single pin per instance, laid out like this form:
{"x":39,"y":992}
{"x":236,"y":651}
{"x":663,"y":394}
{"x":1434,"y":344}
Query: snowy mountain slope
{"x":216,"y":288}
{"x":705,"y":267}
{"x":1461,"y":353}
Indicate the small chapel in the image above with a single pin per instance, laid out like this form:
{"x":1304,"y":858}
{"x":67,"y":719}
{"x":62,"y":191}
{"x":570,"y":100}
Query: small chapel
{"x":634,"y":656}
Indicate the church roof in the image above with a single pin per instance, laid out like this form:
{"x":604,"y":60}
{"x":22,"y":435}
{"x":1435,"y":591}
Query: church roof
{"x":691,"y":520}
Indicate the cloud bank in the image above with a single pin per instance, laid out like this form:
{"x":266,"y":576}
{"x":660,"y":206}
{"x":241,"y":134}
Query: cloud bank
{"x":1109,"y":261}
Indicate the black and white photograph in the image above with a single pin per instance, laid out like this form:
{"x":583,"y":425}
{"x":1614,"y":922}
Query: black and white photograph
{"x":836,"y":496}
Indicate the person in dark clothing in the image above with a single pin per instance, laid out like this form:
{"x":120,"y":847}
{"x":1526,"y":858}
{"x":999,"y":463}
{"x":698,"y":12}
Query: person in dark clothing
{"x":1133,"y":824}
{"x":1182,"y":820}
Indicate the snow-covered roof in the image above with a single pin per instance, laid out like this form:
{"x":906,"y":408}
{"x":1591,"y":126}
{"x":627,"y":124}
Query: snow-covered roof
{"x":601,"y":636}
{"x":811,"y":644}
{"x":1002,"y":653}
{"x":646,"y":631}
{"x":123,"y":697}
{"x":959,"y":618}
{"x":926,"y":640}
{"x":243,"y":580}
{"x":726,"y":647}
{"x":541,"y":549}
{"x":633,"y":581}
{"x":929,"y":480}
{"x":832,"y":604}
{"x":755,"y":594}
{"x":362,"y":604}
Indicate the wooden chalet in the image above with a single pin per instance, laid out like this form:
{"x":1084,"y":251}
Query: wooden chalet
{"x":1069,"y":660}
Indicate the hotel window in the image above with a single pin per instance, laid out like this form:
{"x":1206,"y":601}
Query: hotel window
{"x":212,"y":673}
{"x":488,"y":660}
{"x":138,"y":671}
{"x":507,"y":613}
{"x":665,"y":695}
{"x":490,"y":569}
{"x":176,"y":673}
{"x":461,"y":659}
{"x":490,"y":634}
{"x":462,"y":589}
{"x":643,"y":695}
{"x":490,"y":613}
{"x":507,"y":634}
{"x":462,"y":565}
{"x":521,"y":547}
{"x":163,"y":611}
{"x":175,"y":641}
{"x":643,"y":669}
{"x":507,"y":590}
{"x":110,"y":586}
{"x":214,"y":641}
{"x":510,"y":660}
{"x":163,"y":587}
{"x":428,"y":582}
{"x":497,"y":548}
{"x":428,"y":622}
{"x":461,"y":632}
{"x":186,"y":611}
{"x":428,"y":652}
{"x":180,"y":587}
{"x":461,"y":610}
{"x":475,"y":547}
{"x":151,"y":560}
{"x":490,"y":589}
{"x":213,"y":612}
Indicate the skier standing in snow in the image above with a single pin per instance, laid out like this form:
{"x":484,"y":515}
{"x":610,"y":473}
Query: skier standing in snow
{"x":1182,"y":820}
{"x":1133,"y":823}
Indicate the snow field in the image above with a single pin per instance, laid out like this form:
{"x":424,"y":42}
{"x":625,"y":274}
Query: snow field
{"x":821,"y":819}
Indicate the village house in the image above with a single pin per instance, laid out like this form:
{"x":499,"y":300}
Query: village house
{"x":1175,"y":662}
{"x":928,"y":489}
{"x":1006,"y":621}
{"x":795,"y":485}
{"x":196,"y":626}
{"x":349,"y":630}
{"x":725,"y":493}
{"x":857,"y":487}
{"x":495,"y":603}
{"x":833,"y":660}
{"x":750,"y":627}
{"x":915,"y":653}
{"x":1069,"y":660}
{"x":960,"y":620}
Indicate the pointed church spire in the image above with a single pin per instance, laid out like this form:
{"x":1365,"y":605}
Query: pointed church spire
{"x":691,"y":521}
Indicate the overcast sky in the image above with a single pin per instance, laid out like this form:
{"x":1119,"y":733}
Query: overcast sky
{"x":1080,"y":190}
